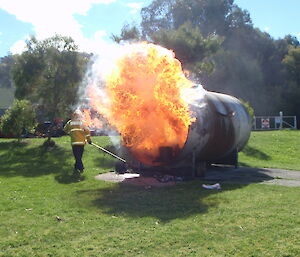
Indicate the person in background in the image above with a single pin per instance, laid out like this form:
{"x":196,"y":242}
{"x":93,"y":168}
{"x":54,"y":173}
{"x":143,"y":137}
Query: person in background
{"x":79,"y":134}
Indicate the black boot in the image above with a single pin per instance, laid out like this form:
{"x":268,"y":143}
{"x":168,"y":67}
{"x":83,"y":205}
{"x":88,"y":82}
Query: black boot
{"x":76,"y":173}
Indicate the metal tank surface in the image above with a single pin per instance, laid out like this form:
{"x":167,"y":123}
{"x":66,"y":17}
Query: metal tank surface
{"x":221,"y":129}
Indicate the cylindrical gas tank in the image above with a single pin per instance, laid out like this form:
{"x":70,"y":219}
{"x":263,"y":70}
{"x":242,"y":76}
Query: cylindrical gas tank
{"x":222,"y":126}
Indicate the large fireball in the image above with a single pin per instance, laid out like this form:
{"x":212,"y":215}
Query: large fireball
{"x":145,"y":103}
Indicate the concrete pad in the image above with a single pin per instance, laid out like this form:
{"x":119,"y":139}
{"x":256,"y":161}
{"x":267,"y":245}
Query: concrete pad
{"x":247,"y":175}
{"x":115,"y":177}
{"x":216,"y":174}
{"x":133,"y":179}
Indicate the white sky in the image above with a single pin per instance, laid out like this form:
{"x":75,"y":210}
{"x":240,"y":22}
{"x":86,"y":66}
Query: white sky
{"x":58,"y":17}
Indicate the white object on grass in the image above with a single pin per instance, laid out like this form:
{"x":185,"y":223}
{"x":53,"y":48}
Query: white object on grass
{"x":215,"y":186}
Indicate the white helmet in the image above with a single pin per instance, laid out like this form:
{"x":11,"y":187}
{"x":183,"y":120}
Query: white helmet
{"x":77,"y":113}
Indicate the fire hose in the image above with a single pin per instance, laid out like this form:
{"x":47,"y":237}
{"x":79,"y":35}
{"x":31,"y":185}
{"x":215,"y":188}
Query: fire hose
{"x":110,"y":153}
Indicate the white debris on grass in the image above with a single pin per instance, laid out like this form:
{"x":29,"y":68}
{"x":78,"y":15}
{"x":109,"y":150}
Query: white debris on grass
{"x":216,"y":186}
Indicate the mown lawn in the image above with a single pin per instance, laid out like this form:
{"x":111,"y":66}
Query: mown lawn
{"x":272,"y":149}
{"x":44,"y":212}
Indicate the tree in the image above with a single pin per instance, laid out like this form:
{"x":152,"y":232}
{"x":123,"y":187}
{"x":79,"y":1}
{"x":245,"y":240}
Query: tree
{"x":191,"y":48}
{"x":291,"y":93}
{"x":292,"y":64}
{"x":6,"y":64}
{"x":292,"y":41}
{"x":195,"y":30}
{"x":210,"y":16}
{"x":19,"y":118}
{"x":128,"y":33}
{"x":49,"y":73}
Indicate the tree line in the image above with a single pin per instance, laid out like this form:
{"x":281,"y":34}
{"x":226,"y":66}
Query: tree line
{"x":214,"y":39}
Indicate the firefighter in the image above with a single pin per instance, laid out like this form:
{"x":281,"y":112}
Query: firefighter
{"x":79,"y":135}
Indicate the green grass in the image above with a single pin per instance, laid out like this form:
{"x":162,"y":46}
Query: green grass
{"x":272,"y":149}
{"x":98,"y":218}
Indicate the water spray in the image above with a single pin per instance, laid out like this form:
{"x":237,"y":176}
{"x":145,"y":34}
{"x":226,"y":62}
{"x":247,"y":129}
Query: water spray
{"x":108,"y":152}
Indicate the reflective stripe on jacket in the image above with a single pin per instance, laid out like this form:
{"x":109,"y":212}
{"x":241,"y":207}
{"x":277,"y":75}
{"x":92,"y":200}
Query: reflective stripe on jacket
{"x":78,"y":132}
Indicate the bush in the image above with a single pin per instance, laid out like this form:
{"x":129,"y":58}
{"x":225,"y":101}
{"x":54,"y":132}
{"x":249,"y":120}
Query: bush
{"x":249,"y":108}
{"x":19,"y":118}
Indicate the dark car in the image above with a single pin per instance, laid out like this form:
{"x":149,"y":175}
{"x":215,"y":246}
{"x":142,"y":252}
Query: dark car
{"x":50,"y":129}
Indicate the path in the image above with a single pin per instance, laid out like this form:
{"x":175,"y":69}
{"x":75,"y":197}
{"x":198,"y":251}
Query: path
{"x":254,"y":175}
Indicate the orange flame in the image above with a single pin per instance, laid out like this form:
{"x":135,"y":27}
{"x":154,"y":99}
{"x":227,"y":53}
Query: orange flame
{"x":146,"y":103}
{"x":89,"y":120}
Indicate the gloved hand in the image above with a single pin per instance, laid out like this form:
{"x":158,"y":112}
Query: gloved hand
{"x":89,"y":141}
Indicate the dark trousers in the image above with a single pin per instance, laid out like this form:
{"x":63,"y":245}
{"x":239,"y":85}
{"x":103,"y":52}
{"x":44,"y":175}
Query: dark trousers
{"x":78,"y":152}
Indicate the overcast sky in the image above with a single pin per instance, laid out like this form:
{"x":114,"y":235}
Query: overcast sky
{"x":91,"y":22}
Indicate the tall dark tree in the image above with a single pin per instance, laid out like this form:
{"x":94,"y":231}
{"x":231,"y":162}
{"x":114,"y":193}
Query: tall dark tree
{"x":190,"y":47}
{"x":209,"y":15}
{"x":292,"y":64}
{"x":291,"y":94}
{"x":6,"y":64}
{"x":170,"y":24}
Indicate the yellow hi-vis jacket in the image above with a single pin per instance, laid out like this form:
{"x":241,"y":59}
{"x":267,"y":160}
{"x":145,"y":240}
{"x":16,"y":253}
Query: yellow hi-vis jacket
{"x":78,"y":132}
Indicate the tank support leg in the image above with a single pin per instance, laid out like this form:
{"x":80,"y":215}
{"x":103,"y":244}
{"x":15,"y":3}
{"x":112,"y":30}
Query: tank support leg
{"x":198,"y":168}
{"x":201,"y":169}
{"x":236,"y":158}
{"x":194,"y":164}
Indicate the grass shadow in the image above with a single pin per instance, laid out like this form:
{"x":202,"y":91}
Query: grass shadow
{"x":19,"y":160}
{"x":251,"y":151}
{"x":104,"y":162}
{"x":69,"y":178}
{"x":12,"y":144}
{"x":180,"y":201}
{"x":166,"y":203}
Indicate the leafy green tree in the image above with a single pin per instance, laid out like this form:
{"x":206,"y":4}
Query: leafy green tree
{"x":49,"y":73}
{"x":19,"y":118}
